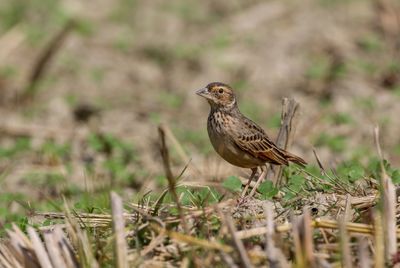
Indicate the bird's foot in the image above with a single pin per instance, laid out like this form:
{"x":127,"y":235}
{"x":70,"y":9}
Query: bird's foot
{"x":241,"y":200}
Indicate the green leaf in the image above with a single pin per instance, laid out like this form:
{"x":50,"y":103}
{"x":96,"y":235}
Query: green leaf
{"x":313,"y":169}
{"x":210,"y":195}
{"x":95,"y":142}
{"x":289,"y":195}
{"x":396,"y":176}
{"x":356,"y":172}
{"x":267,"y":189}
{"x":297,"y":180}
{"x":186,"y":197}
{"x":232,"y":183}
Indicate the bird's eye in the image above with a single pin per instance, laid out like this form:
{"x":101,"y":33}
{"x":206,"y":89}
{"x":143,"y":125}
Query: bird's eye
{"x":221,"y":90}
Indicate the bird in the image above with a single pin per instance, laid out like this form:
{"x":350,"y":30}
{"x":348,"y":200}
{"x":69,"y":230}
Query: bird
{"x":236,"y":138}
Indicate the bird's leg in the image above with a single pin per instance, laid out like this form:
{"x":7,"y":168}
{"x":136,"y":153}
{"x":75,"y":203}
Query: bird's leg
{"x":259,"y":180}
{"x":253,"y":173}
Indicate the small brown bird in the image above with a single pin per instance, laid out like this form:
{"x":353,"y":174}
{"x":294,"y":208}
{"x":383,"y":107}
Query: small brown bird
{"x":236,"y":138}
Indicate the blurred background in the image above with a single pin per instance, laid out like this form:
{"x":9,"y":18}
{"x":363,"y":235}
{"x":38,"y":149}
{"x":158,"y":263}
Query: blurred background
{"x":84,"y":85}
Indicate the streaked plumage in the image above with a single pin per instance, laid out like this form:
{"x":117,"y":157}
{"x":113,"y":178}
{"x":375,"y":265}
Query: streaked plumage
{"x":236,"y":138}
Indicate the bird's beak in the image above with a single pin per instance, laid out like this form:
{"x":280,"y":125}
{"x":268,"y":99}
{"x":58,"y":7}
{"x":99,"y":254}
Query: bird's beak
{"x":202,"y":92}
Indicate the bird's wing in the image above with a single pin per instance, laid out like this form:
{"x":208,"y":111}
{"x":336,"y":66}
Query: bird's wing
{"x":252,"y":139}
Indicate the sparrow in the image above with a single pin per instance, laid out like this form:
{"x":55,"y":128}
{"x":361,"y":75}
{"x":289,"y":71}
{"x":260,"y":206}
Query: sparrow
{"x":236,"y":138}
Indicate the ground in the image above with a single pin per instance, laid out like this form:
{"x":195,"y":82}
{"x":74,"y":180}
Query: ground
{"x":89,"y":123}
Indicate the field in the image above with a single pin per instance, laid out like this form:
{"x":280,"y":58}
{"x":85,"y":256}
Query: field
{"x":105,"y":159}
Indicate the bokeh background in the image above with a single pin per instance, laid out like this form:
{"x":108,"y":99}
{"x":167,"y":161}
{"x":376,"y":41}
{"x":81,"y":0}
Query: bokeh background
{"x":84,"y":85}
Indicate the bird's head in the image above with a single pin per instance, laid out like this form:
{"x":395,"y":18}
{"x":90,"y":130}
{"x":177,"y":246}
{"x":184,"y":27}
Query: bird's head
{"x":218,"y":95}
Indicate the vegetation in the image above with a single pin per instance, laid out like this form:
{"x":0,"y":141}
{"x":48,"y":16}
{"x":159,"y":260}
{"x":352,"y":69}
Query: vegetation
{"x":86,"y":179}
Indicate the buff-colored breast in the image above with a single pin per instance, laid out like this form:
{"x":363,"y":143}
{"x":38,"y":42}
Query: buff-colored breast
{"x":220,"y":134}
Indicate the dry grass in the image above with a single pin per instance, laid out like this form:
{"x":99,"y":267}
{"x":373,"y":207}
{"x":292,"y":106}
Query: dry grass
{"x":302,"y":242}
{"x":83,"y":87}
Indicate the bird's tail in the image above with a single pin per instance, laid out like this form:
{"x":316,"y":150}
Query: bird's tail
{"x":295,"y":159}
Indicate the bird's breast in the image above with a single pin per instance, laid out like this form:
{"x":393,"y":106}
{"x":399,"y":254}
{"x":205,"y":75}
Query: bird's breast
{"x":220,"y":130}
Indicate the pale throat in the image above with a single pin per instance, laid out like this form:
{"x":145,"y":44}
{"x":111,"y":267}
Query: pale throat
{"x":223,"y":107}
